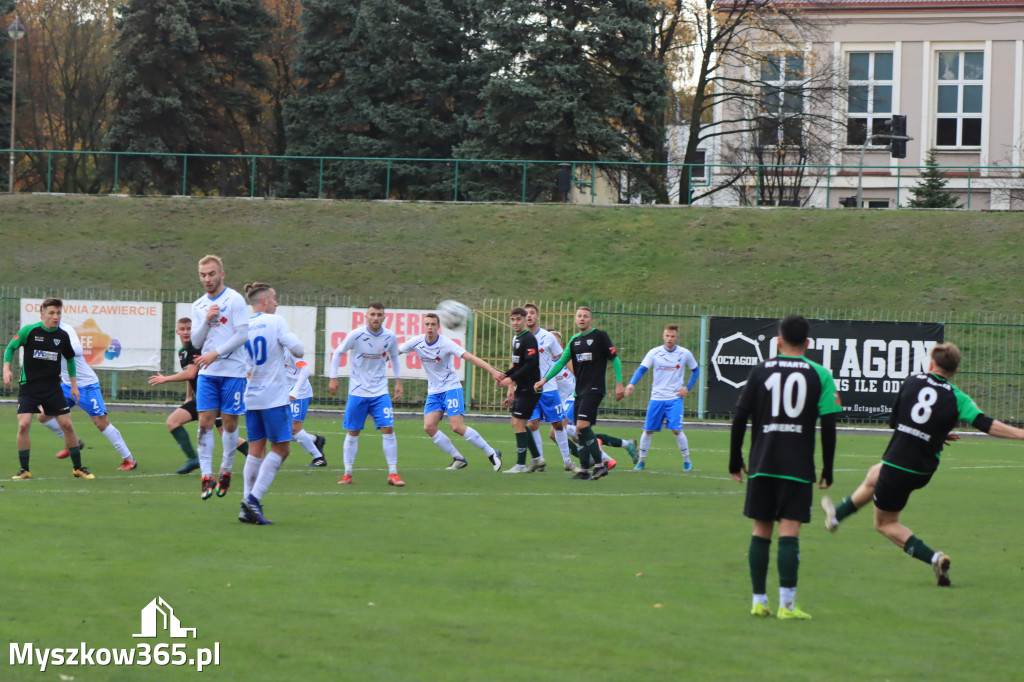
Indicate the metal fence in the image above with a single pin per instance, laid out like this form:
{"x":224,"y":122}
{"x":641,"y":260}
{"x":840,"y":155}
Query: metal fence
{"x":510,"y":180}
{"x":992,"y":371}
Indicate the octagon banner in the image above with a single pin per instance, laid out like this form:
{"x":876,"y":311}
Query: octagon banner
{"x":868,"y":360}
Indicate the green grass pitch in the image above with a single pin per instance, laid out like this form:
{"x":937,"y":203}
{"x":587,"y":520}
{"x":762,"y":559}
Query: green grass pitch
{"x":472,"y":575}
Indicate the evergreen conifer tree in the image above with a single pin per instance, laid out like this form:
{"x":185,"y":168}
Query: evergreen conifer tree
{"x":185,"y":81}
{"x":930,"y":190}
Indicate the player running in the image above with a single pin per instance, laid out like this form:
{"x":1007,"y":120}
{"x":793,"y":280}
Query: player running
{"x":668,"y":363}
{"x":437,"y":353}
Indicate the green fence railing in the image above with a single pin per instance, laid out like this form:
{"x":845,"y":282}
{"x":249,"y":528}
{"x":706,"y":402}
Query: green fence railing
{"x":518,"y":180}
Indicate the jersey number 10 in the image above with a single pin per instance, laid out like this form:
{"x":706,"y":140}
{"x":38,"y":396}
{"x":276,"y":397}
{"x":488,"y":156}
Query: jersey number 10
{"x":790,"y":396}
{"x":257,"y":350}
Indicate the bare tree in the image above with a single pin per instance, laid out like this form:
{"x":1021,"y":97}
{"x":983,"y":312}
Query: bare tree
{"x":745,"y":71}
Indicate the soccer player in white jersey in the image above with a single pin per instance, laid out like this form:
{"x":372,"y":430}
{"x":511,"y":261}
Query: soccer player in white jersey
{"x":437,"y":353}
{"x":372,"y":346}
{"x":550,"y":405}
{"x":668,"y":364}
{"x":220,"y":327}
{"x":298,"y":371}
{"x":90,"y":399}
{"x":267,"y":415}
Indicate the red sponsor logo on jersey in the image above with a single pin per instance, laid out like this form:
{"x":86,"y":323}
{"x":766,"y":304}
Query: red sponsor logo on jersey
{"x":530,"y":351}
{"x":301,"y":363}
{"x":678,"y":366}
{"x":613,"y":349}
{"x":223,"y":320}
{"x":838,"y":402}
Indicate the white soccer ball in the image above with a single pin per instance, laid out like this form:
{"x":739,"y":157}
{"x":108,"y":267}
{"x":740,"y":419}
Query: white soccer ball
{"x":453,"y":314}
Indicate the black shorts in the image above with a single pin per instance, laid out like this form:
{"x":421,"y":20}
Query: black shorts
{"x":523,"y":404}
{"x":585,"y":407}
{"x":190,"y":407}
{"x":892,"y":491}
{"x":49,"y":397}
{"x":770,"y":499}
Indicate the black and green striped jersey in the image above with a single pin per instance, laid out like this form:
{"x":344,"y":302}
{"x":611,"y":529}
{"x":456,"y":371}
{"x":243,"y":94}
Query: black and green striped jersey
{"x":926,"y":410}
{"x":43,"y":351}
{"x":784,"y":397}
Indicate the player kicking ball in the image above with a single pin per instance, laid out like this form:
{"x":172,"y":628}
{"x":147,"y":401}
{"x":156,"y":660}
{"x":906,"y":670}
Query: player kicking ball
{"x":927,"y":408}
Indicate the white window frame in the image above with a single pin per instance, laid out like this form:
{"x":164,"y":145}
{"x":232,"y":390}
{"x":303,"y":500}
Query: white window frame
{"x":781,"y":84}
{"x":985,"y":48}
{"x":870,"y":83}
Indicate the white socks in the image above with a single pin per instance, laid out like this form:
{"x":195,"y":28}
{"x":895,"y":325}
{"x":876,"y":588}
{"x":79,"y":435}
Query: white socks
{"x":349,"y":452}
{"x":538,"y":441}
{"x":230,"y":441}
{"x":474,"y":438}
{"x":562,"y":441}
{"x":787,"y":597}
{"x":645,"y":444}
{"x":306,"y":441}
{"x":114,"y":436}
{"x":391,"y":451}
{"x":204,"y":442}
{"x":684,"y":446}
{"x":442,"y":441}
{"x":55,"y":427}
{"x":249,"y":474}
{"x":570,"y":430}
{"x":268,"y":470}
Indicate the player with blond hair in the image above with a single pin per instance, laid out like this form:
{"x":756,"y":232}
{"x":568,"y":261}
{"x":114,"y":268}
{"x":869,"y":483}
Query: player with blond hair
{"x":220,"y":328}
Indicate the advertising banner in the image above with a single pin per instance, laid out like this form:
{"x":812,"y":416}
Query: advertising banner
{"x":114,"y":334}
{"x":405,"y":323}
{"x":868,"y":360}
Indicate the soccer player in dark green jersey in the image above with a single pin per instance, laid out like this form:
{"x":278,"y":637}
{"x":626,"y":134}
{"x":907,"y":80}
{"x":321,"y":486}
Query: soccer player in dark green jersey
{"x":44,"y":344}
{"x":927,"y":408}
{"x":590,"y":350}
{"x":784,"y":396}
{"x":524,"y":373}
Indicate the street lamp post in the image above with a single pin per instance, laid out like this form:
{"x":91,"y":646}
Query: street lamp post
{"x":16,"y":31}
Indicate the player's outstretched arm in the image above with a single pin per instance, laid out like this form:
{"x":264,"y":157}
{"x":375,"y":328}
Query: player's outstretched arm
{"x":484,"y":365}
{"x":999,"y":429}
{"x":186,"y":374}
